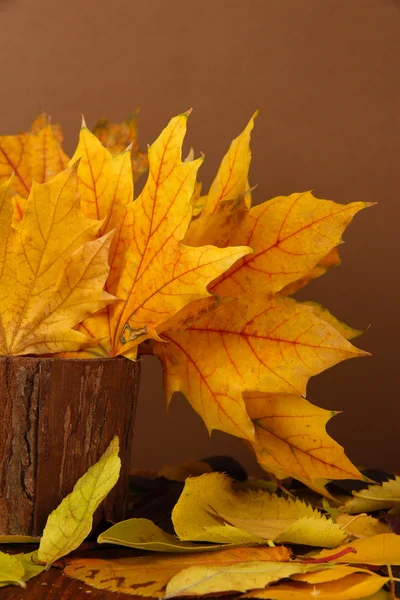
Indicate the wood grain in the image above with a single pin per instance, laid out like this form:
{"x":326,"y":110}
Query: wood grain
{"x":57,"y":418}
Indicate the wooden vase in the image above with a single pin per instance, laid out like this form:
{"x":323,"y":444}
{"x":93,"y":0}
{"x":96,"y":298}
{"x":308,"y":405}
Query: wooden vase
{"x":57,"y":417}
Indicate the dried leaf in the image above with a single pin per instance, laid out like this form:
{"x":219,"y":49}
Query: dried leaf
{"x":362,"y":526}
{"x":382,"y":549}
{"x":201,"y":580}
{"x":211,"y":508}
{"x":352,"y":587}
{"x":374,"y":497}
{"x":145,"y":535}
{"x":148,"y":575}
{"x":291,"y":439}
{"x":231,"y":180}
{"x":251,"y":346}
{"x":51,"y":274}
{"x":70,"y":523}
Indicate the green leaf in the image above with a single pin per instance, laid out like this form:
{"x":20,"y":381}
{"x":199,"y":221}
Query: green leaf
{"x":70,"y":523}
{"x":145,"y":535}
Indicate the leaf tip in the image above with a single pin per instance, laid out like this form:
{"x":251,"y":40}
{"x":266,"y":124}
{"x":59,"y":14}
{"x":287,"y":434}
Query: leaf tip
{"x":83,"y":123}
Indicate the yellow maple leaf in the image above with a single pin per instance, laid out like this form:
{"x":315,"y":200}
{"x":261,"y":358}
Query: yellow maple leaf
{"x":152,"y":272}
{"x":33,"y":156}
{"x":52,"y":271}
{"x":289,"y":235}
{"x":148,"y":575}
{"x":251,"y":346}
{"x":291,"y":439}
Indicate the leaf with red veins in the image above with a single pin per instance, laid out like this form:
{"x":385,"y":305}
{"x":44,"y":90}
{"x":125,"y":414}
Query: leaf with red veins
{"x":15,"y":157}
{"x":274,"y":346}
{"x":292,"y":440}
{"x":289,"y":236}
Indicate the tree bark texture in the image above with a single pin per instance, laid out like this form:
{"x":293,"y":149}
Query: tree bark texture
{"x":57,"y":417}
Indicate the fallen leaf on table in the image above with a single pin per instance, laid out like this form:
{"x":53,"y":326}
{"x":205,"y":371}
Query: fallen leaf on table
{"x":374,"y":497}
{"x":241,"y":577}
{"x":329,"y":574}
{"x":382,"y":549}
{"x":70,"y":523}
{"x":11,"y":570}
{"x":148,"y":575}
{"x":31,"y":568}
{"x":18,"y":539}
{"x":352,"y":587}
{"x":212,"y":508}
{"x":362,"y":526}
{"x":145,"y":535}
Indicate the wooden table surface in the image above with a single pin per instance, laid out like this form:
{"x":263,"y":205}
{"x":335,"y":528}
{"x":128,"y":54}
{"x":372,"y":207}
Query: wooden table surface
{"x":55,"y":585}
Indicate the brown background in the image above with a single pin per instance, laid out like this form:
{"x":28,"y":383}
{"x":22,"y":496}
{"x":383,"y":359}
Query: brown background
{"x":327,"y":72}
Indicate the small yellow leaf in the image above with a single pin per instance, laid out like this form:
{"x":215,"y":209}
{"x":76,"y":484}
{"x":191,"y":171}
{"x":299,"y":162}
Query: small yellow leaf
{"x":70,"y":523}
{"x":374,"y":497}
{"x":352,"y":587}
{"x":145,"y":535}
{"x":212,"y":508}
{"x":382,"y":549}
{"x":19,"y":539}
{"x":231,"y":180}
{"x":149,"y":575}
{"x":11,"y":570}
{"x":291,"y":439}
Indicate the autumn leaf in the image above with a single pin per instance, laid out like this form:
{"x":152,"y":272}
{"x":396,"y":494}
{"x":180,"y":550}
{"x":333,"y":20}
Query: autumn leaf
{"x":382,"y":549}
{"x":156,"y":275}
{"x":362,"y":526}
{"x":51,"y":274}
{"x":352,"y":587}
{"x":148,"y":575}
{"x":375,"y":497}
{"x":211,"y":508}
{"x":33,"y":156}
{"x":331,"y":260}
{"x":116,"y":137}
{"x":70,"y":523}
{"x":289,"y":236}
{"x":201,"y":580}
{"x":11,"y":570}
{"x":231,"y":180}
{"x":145,"y":535}
{"x":291,"y":439}
{"x":251,"y":346}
